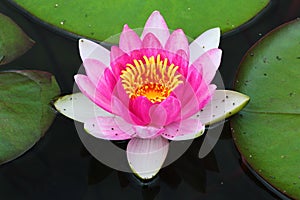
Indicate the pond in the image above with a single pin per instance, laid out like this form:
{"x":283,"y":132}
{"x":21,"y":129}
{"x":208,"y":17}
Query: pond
{"x":60,"y":167}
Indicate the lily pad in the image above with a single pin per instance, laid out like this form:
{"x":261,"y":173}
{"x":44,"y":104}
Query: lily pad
{"x":13,"y":41}
{"x":101,"y":19}
{"x":25,"y":111}
{"x":267,"y":131}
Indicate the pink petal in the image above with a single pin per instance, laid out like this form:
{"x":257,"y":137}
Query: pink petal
{"x":178,"y":41}
{"x":105,"y":84}
{"x":107,"y":81}
{"x":158,"y":116}
{"x":180,"y":59}
{"x":204,"y":94}
{"x":109,"y":128}
{"x":193,"y":101}
{"x":94,"y":69}
{"x":157,"y":25}
{"x":92,"y":50}
{"x":150,"y":41}
{"x":120,"y":109}
{"x":195,"y":78}
{"x":119,"y":59}
{"x":140,"y":106}
{"x":188,"y":99}
{"x":129,"y":40}
{"x":89,"y":90}
{"x":116,"y":53}
{"x":167,"y":111}
{"x":206,"y":41}
{"x":184,"y":130}
{"x":146,"y":131}
{"x":202,"y":91}
{"x":121,"y":94}
{"x":208,"y":64}
{"x":146,"y":156}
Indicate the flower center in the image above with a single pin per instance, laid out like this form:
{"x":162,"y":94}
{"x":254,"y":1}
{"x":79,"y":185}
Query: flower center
{"x":151,"y":78}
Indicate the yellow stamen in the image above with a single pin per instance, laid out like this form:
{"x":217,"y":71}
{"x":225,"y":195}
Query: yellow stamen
{"x":150,"y":77}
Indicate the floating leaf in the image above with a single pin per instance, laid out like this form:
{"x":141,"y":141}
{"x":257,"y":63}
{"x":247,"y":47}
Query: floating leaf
{"x":47,"y":83}
{"x":13,"y":41}
{"x":267,"y":131}
{"x":102,"y":19}
{"x":25,"y":112}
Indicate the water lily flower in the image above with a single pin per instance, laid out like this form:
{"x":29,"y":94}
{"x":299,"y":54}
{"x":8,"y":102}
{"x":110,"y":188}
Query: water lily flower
{"x":151,"y":89}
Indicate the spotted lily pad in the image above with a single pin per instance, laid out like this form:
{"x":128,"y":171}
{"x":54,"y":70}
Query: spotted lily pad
{"x":13,"y":41}
{"x":267,"y":131}
{"x":102,"y":19}
{"x":25,"y":111}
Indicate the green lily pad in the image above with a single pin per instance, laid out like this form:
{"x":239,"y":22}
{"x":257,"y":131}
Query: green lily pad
{"x":267,"y":131}
{"x":102,"y":19}
{"x":13,"y":41}
{"x":25,"y":111}
{"x":49,"y":89}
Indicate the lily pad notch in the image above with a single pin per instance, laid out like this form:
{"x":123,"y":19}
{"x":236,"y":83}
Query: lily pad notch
{"x":25,"y":110}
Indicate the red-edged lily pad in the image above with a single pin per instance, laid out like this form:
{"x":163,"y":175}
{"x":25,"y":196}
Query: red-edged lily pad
{"x":267,"y":131}
{"x":25,"y":110}
{"x":13,"y":41}
{"x":101,"y":19}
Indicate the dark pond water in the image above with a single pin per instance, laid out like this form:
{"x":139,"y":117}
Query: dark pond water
{"x":59,"y":166}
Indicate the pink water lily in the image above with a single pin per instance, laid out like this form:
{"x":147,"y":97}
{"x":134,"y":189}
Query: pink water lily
{"x":148,"y":89}
{"x":152,"y":85}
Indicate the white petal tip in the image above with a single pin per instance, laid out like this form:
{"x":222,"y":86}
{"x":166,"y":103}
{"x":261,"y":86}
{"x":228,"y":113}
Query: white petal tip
{"x":145,"y":175}
{"x":90,"y":49}
{"x":85,"y":44}
{"x":155,"y":13}
{"x":210,"y":39}
{"x":216,"y":31}
{"x":81,"y":40}
{"x":76,"y":76}
{"x":64,"y":105}
{"x":125,"y":27}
